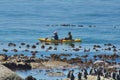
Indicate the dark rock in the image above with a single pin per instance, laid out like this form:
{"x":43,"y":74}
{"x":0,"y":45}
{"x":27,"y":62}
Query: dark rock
{"x":5,"y":50}
{"x":72,"y":45}
{"x":37,"y":43}
{"x":30,"y":78}
{"x":27,"y":45}
{"x":14,"y":66}
{"x":15,"y":50}
{"x":42,"y":46}
{"x":33,"y":46}
{"x":22,"y":43}
{"x":11,"y":44}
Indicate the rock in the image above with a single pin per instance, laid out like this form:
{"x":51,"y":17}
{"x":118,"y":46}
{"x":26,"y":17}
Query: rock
{"x":3,"y":57}
{"x":27,"y":45}
{"x":100,"y":62}
{"x":15,"y":50}
{"x":42,"y":46}
{"x":37,"y":43}
{"x":5,"y":50}
{"x":56,"y":64}
{"x":33,"y":46}
{"x":12,"y":44}
{"x":58,"y":74}
{"x":30,"y":78}
{"x":22,"y":43}
{"x":19,"y":66}
{"x":7,"y":74}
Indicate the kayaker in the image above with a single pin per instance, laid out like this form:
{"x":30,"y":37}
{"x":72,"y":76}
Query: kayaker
{"x":69,"y":36}
{"x":55,"y":36}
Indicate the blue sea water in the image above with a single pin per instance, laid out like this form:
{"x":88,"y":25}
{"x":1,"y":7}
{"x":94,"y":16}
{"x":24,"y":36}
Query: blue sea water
{"x":28,"y":20}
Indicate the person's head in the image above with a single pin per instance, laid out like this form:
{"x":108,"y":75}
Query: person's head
{"x":55,"y":32}
{"x":69,"y":33}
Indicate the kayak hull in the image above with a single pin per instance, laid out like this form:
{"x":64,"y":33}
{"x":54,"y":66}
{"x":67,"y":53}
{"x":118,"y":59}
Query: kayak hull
{"x":58,"y":41}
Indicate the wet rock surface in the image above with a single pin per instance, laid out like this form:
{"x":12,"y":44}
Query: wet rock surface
{"x":7,"y":74}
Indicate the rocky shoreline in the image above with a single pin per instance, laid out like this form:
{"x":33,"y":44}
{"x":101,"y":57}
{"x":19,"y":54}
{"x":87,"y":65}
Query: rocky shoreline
{"x":61,"y":61}
{"x":17,"y":62}
{"x":55,"y":61}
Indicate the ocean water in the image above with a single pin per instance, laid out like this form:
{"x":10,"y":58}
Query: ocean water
{"x":28,"y":20}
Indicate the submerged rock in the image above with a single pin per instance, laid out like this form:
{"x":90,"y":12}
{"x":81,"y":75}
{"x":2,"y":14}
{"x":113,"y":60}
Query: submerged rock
{"x":30,"y":78}
{"x":59,"y":74}
{"x":33,"y":46}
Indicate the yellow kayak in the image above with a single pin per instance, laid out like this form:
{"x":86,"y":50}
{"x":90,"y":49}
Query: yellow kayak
{"x":56,"y":41}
